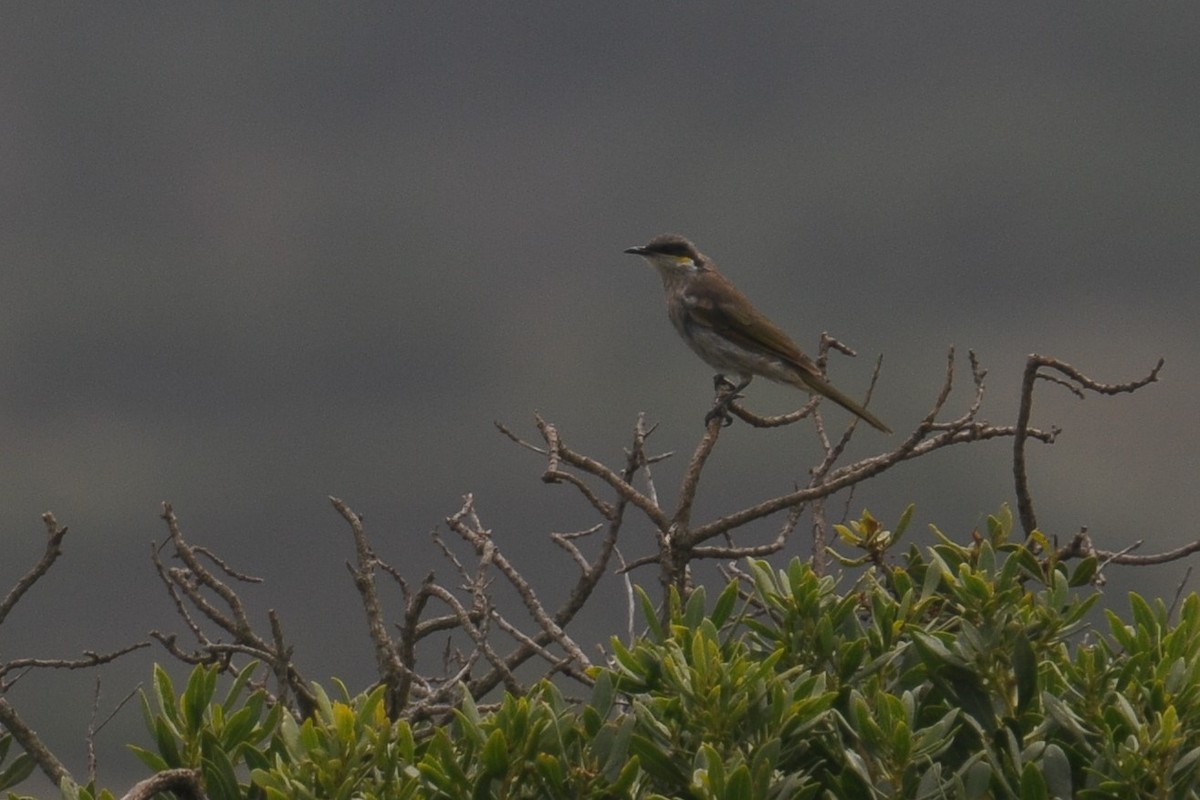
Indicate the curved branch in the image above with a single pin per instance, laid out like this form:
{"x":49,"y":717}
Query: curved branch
{"x":1033,"y":363}
{"x":184,"y":783}
{"x":557,"y":451}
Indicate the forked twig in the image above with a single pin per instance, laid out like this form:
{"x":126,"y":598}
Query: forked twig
{"x":1033,"y":364}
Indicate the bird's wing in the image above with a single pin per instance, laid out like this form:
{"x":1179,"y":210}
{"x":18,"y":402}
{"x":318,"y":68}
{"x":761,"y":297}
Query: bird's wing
{"x":713,"y":302}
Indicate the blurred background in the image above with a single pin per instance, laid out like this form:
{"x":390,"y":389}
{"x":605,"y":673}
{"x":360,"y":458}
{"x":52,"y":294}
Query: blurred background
{"x":255,"y":256}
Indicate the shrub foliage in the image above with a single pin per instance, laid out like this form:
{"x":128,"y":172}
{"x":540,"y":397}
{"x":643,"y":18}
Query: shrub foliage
{"x":954,"y":671}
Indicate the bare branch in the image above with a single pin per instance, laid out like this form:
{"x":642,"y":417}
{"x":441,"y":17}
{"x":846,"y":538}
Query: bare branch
{"x":928,"y":436}
{"x":191,"y":582}
{"x":559,"y":452}
{"x":466,"y":524}
{"x":53,"y":550}
{"x":849,"y":475}
{"x":1033,"y":363}
{"x":203,"y":577}
{"x":566,"y":665}
{"x":387,"y":660}
{"x":1187,"y":576}
{"x":691,"y":476}
{"x":820,"y":542}
{"x":90,"y":659}
{"x":31,"y":743}
{"x":636,"y":458}
{"x":527,"y":445}
{"x":564,"y":540}
{"x":184,"y":783}
{"x":605,"y":509}
{"x":223,"y":566}
{"x":478,"y":634}
{"x":590,"y":575}
{"x":765,"y":421}
{"x":1153,"y":558}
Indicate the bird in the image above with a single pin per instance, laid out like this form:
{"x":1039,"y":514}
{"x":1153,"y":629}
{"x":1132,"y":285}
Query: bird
{"x":724,"y":328}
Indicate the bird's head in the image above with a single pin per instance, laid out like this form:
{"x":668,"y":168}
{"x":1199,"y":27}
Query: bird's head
{"x":672,"y":255}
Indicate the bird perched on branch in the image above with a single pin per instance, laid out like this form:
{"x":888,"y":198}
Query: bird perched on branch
{"x":721,"y":325}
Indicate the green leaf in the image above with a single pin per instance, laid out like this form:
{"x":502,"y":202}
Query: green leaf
{"x":657,"y":763}
{"x":624,"y":781}
{"x":708,"y":773}
{"x":151,"y":759}
{"x":856,"y":778}
{"x":1033,"y":785}
{"x":238,"y":727}
{"x":550,"y":770}
{"x":905,"y":518}
{"x":694,"y":610}
{"x":166,"y":739}
{"x":219,"y":779}
{"x":933,"y":579}
{"x":724,"y":605}
{"x":369,"y":710}
{"x":1063,"y":715}
{"x":1056,"y":769}
{"x":18,"y":770}
{"x":1084,"y":571}
{"x":166,"y":696}
{"x":1143,"y":615}
{"x":239,"y":684}
{"x":1025,"y":667}
{"x":617,"y":747}
{"x":469,"y":715}
{"x":650,"y":614}
{"x":738,"y":785}
{"x":196,"y":698}
{"x":977,"y":779}
{"x":603,"y":694}
{"x":494,"y":757}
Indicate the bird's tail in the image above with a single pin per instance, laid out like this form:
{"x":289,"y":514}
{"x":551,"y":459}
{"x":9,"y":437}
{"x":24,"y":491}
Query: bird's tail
{"x":819,"y":385}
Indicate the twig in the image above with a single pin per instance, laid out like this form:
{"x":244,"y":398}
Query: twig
{"x":89,"y":738}
{"x":558,"y":452}
{"x":90,"y":659}
{"x":1187,"y":575}
{"x":53,"y":550}
{"x":776,"y":421}
{"x":31,"y":743}
{"x":240,"y":625}
{"x":1123,"y":557}
{"x":466,"y":524}
{"x":184,"y":783}
{"x":387,"y":660}
{"x":189,"y":582}
{"x":1033,"y":363}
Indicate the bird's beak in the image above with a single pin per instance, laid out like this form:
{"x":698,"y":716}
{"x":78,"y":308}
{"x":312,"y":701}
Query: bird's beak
{"x":637,"y":251}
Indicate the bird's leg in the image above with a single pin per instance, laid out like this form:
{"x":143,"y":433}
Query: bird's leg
{"x":720,"y":381}
{"x":727,"y":391}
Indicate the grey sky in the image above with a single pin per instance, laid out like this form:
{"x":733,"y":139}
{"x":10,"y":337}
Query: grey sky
{"x":254,"y":256}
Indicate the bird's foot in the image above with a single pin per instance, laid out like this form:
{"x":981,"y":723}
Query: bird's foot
{"x":721,"y":382}
{"x":727,"y":392}
{"x":720,"y":411}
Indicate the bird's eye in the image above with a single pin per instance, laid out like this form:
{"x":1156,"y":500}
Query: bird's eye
{"x":677,"y":249}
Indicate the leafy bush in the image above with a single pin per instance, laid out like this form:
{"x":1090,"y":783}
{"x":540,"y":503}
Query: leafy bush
{"x":959,"y":671}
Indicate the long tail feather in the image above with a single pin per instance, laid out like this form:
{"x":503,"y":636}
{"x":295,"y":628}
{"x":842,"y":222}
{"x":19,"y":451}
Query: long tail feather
{"x":823,"y":387}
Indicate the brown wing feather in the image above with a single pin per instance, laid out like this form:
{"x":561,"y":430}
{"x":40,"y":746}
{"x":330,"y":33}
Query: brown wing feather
{"x":718,"y":304}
